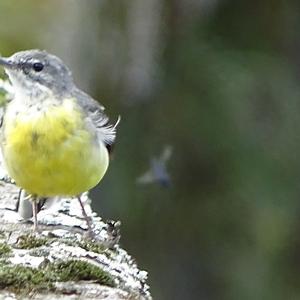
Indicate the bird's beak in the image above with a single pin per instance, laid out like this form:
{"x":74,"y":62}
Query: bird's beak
{"x":7,"y":63}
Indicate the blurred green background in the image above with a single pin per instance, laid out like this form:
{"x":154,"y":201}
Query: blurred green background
{"x":218,"y":80}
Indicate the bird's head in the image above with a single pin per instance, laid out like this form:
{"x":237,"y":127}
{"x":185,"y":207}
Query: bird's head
{"x":36,"y":71}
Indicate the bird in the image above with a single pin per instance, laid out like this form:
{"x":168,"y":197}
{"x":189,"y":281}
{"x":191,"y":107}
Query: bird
{"x":55,"y":138}
{"x":157,"y":172}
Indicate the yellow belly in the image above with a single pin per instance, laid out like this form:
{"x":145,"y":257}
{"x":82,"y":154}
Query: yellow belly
{"x":51,"y":152}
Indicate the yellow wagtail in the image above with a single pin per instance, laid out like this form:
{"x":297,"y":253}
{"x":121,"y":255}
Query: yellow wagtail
{"x":55,"y":138}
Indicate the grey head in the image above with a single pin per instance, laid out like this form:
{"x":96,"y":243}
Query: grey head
{"x":35,"y":72}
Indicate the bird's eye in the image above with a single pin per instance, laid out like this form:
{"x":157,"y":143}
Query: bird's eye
{"x":38,"y":67}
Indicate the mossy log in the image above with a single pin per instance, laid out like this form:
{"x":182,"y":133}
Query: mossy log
{"x":61,"y":261}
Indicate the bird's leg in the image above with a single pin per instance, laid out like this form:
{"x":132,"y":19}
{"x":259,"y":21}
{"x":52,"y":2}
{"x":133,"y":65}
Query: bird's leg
{"x":24,"y":205}
{"x":34,"y":202}
{"x":87,"y":219}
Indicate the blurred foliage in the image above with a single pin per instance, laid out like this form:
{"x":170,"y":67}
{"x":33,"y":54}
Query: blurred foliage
{"x":219,"y":81}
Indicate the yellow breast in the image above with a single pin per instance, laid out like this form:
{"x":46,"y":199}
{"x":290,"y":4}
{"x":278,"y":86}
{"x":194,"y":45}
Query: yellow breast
{"x":52,"y":151}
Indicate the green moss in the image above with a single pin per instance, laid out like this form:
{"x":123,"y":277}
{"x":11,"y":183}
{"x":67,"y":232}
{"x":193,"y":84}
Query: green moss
{"x":29,"y":241}
{"x":92,"y":246}
{"x":4,"y":249}
{"x":2,"y":234}
{"x":38,"y":252}
{"x":23,"y":279}
{"x":89,"y":245}
{"x":3,"y":100}
{"x":75,"y":270}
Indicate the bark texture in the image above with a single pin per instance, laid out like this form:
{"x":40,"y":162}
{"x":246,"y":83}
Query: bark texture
{"x":61,"y":261}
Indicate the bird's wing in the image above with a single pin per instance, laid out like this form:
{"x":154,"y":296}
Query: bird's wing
{"x":146,"y":178}
{"x":166,"y":154}
{"x":95,"y":111}
{"x":87,"y":102}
